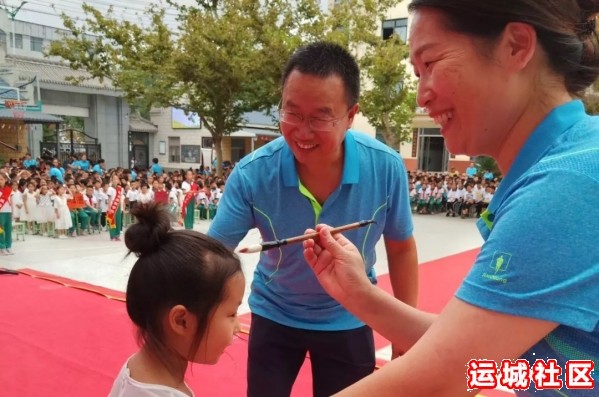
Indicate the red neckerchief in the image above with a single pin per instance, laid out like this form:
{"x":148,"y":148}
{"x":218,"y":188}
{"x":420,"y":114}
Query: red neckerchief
{"x":110,"y":216}
{"x":4,"y":195}
{"x":188,"y":197}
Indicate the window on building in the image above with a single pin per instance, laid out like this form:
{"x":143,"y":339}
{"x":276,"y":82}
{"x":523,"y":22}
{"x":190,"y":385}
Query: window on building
{"x":37,"y":44}
{"x":207,"y":142}
{"x":18,"y":40}
{"x":174,"y":150}
{"x":237,"y":149}
{"x":398,"y":27}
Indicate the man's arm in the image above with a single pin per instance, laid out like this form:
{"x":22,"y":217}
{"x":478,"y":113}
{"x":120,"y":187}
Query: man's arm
{"x":234,"y":217}
{"x":402,"y":258}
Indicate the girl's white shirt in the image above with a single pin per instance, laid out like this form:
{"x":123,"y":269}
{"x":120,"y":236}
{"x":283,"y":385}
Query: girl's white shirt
{"x":125,"y":386}
{"x":145,"y":198}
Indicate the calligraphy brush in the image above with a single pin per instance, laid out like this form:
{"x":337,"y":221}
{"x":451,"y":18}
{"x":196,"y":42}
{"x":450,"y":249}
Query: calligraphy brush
{"x":266,"y":245}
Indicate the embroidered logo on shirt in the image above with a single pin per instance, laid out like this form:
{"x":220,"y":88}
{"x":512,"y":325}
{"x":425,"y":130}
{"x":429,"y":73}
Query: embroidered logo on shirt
{"x":499,"y":264}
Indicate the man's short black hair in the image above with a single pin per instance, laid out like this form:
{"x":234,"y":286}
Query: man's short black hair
{"x":324,"y":59}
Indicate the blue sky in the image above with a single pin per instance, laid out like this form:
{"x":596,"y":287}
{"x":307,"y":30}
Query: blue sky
{"x":45,"y":12}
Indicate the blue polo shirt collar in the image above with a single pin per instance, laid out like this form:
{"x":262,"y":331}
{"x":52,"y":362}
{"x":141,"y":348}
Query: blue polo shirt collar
{"x":351,"y":163}
{"x":558,"y":121}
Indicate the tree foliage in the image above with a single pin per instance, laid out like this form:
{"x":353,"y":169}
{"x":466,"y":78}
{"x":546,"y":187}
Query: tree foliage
{"x":226,"y":57}
{"x":390,"y":101}
{"x":591,"y":99}
{"x":484,"y":163}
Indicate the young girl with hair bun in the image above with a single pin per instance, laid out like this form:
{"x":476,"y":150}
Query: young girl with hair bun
{"x":183,"y":294}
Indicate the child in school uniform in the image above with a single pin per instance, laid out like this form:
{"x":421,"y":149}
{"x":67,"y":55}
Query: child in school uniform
{"x":61,"y":212}
{"x":202,"y":201}
{"x":116,"y":203}
{"x":17,"y":202}
{"x":45,"y":211}
{"x":132,"y":195}
{"x":184,"y":306}
{"x":102,"y":198}
{"x":29,"y":211}
{"x":145,"y":195}
{"x":6,"y":208}
{"x":92,"y":208}
{"x":173,"y":200}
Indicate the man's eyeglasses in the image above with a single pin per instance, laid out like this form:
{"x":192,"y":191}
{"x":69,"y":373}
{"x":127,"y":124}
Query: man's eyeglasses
{"x":315,"y":124}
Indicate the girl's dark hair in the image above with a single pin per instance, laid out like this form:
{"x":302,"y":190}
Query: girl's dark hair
{"x":565,"y":29}
{"x":174,"y":267}
{"x":324,"y":59}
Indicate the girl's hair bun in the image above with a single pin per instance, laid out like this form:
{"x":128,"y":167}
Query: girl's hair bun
{"x":150,"y":230}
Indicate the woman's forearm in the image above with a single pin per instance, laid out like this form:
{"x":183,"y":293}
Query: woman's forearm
{"x":400,"y":323}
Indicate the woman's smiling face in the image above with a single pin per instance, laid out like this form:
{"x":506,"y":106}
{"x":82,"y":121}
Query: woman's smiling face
{"x":466,"y":91}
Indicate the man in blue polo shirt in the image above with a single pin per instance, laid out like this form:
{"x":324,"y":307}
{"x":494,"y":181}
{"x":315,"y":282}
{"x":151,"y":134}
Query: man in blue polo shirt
{"x":99,"y":167}
{"x":156,"y":169}
{"x":82,"y":164}
{"x":472,"y":170}
{"x":318,"y":172}
{"x":56,"y":172}
{"x":29,"y":162}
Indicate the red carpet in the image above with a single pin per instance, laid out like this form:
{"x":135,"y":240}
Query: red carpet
{"x":58,"y":339}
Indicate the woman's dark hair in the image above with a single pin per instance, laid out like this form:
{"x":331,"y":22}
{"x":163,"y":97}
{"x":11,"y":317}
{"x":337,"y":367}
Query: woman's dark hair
{"x":324,"y":60}
{"x":565,"y":29}
{"x":174,"y":267}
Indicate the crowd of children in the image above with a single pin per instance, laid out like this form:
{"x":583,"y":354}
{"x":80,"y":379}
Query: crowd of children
{"x":67,"y":200}
{"x":59,"y":200}
{"x":451,"y":193}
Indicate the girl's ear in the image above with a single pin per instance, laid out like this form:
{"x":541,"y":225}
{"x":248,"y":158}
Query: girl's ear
{"x":179,"y":320}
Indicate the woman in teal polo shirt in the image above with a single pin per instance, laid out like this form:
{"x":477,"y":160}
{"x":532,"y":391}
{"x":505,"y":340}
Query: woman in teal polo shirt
{"x":501,"y":79}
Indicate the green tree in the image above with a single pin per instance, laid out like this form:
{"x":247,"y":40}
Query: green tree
{"x":389,"y":100}
{"x":487,"y":163}
{"x":224,"y":59}
{"x":74,"y":122}
{"x":591,"y":99}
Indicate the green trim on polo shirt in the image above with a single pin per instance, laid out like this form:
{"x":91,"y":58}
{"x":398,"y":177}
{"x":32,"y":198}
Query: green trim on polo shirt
{"x":315,"y":204}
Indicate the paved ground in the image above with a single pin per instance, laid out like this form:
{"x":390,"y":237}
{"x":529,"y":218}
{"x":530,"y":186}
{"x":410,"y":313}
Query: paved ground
{"x":96,"y":260}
